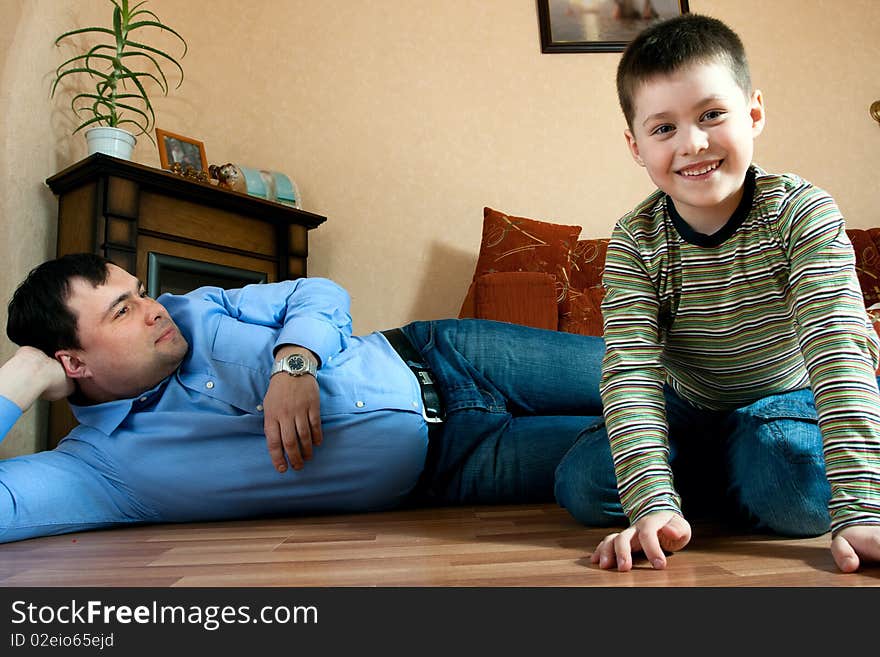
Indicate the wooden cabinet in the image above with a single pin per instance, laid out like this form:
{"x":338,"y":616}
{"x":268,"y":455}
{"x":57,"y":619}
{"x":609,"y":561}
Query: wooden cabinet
{"x":173,"y":233}
{"x":126,"y":211}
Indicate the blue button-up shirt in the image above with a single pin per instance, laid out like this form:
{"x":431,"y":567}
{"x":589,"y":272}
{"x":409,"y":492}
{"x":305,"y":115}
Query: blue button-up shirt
{"x":193,"y":447}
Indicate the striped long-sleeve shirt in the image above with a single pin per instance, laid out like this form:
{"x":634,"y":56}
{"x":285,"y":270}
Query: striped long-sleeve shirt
{"x":767,"y":305}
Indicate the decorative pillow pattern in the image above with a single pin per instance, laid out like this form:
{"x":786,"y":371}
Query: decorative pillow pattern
{"x":588,"y":263}
{"x":867,"y":262}
{"x":519,"y":244}
{"x":581,"y":312}
{"x":874,"y":316}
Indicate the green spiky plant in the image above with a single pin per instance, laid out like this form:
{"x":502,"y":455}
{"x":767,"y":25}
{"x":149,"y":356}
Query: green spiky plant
{"x":120,"y":97}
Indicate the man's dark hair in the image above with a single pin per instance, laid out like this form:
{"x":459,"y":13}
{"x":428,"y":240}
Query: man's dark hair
{"x":673,"y":44}
{"x":38,"y":312}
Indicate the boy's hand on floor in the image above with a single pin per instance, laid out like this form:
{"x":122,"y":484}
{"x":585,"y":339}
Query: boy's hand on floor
{"x":854,"y":544}
{"x":654,"y":533}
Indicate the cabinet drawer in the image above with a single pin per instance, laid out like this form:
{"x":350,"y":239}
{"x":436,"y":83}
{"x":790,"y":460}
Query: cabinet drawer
{"x":179,"y":218}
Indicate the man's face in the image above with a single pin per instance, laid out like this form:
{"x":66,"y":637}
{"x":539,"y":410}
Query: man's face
{"x":128,"y":342}
{"x":694,"y":132}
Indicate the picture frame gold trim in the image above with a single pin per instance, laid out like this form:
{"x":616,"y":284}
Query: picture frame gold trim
{"x":179,"y":149}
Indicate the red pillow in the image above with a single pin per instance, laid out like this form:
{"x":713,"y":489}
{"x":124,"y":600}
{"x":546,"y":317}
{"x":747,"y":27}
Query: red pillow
{"x":867,"y":262}
{"x":874,"y":316}
{"x":527,"y":298}
{"x":519,"y":244}
{"x":588,"y":263}
{"x":581,"y":312}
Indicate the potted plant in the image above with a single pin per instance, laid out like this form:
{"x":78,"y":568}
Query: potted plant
{"x":121,"y":68}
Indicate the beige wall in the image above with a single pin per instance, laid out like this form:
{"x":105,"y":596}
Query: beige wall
{"x":400,"y":119}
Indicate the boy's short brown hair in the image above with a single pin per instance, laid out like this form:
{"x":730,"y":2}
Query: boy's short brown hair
{"x":673,"y":44}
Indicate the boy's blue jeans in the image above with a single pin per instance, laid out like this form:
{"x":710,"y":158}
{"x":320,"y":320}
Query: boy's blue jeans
{"x":762,"y":465}
{"x":523,"y":422}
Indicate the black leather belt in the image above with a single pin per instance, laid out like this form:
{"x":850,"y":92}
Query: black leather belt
{"x":431,"y":401}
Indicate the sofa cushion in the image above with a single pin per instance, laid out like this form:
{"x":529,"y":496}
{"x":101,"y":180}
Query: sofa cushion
{"x":512,"y":244}
{"x":865,"y":244}
{"x":588,"y":263}
{"x":527,"y":298}
{"x":582,"y":311}
{"x":518,"y":244}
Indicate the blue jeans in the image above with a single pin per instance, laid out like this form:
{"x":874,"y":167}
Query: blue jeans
{"x":761,"y":464}
{"x":517,"y":400}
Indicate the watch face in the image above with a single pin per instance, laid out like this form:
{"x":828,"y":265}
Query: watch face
{"x":296,"y":363}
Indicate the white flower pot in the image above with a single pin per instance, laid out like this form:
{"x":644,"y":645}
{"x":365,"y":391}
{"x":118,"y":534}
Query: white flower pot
{"x":110,"y":141}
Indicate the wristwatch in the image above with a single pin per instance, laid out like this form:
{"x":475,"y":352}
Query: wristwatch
{"x":295,"y":364}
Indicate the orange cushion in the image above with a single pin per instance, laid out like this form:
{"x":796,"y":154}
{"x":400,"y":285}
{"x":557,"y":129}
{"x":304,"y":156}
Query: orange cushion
{"x":588,"y":263}
{"x":867,"y":262}
{"x":512,"y":244}
{"x":527,"y":298}
{"x":582,"y":311}
{"x":874,"y":317}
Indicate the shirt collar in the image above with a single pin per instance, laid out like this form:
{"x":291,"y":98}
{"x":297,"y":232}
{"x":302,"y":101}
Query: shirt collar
{"x":718,"y":238}
{"x":107,"y":417}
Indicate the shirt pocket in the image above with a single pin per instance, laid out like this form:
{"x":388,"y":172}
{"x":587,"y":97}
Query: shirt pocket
{"x":245,"y":345}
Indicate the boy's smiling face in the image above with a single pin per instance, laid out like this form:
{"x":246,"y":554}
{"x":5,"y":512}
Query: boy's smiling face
{"x":694,"y":130}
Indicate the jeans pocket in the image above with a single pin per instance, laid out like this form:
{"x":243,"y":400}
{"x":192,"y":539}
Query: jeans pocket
{"x":791,"y":426}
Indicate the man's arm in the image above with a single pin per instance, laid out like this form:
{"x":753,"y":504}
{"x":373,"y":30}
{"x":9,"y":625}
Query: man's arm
{"x":310,"y":312}
{"x":51,"y":492}
{"x":310,"y":315}
{"x":24,"y":378}
{"x":61,"y":491}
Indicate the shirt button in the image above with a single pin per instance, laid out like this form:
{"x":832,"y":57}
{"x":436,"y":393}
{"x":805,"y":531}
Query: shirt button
{"x":359,"y":404}
{"x":209,"y":385}
{"x":260,"y":407}
{"x":142,"y":399}
{"x":415,"y":404}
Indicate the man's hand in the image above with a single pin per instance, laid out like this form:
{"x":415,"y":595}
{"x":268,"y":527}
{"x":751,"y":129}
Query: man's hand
{"x":292,"y":419}
{"x":854,"y":544}
{"x":654,"y":533}
{"x":30,"y":374}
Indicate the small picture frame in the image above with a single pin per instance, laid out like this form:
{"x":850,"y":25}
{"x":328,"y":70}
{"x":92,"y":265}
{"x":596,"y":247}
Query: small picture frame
{"x":599,"y":25}
{"x":177,"y":149}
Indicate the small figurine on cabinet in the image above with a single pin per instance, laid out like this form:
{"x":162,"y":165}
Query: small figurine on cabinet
{"x":229,"y":176}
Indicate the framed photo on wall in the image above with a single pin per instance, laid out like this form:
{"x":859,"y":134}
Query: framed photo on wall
{"x":177,"y":149}
{"x":599,"y":25}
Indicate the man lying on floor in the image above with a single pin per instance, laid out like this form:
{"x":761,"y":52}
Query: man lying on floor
{"x":178,"y":399}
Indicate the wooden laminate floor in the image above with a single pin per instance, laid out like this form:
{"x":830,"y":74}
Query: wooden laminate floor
{"x":538,"y":545}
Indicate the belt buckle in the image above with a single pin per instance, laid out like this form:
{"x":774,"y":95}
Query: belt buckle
{"x":429,"y":418}
{"x":424,"y":378}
